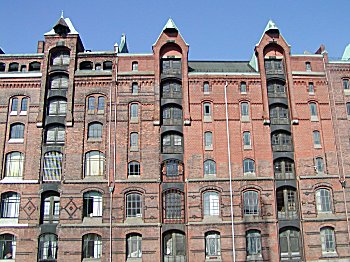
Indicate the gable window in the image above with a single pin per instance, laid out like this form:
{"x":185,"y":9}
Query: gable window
{"x":57,"y":107}
{"x":328,"y":240}
{"x":92,"y":246}
{"x":209,"y":168}
{"x":211,"y":204}
{"x":16,"y":132}
{"x":308,"y":66}
{"x":135,"y":66}
{"x":133,"y":205}
{"x":317,"y":139}
{"x":50,"y":208}
{"x":10,"y":205}
{"x":135,"y":88}
{"x":323,"y":201}
{"x":248,"y":166}
{"x":55,"y":134}
{"x":244,"y":111}
{"x":59,"y":82}
{"x":208,"y":140}
{"x":134,"y":245}
{"x":134,"y":168}
{"x":52,"y":166}
{"x":250,"y":203}
{"x":92,"y":204}
{"x":95,"y":130}
{"x":313,"y":112}
{"x":7,"y":246}
{"x":206,"y":88}
{"x":94,"y":163}
{"x":253,"y":243}
{"x":212,"y":244}
{"x":48,"y":247}
{"x":319,"y":165}
{"x":247,"y":144}
{"x":14,"y":164}
{"x":243,"y":88}
{"x":311,"y":88}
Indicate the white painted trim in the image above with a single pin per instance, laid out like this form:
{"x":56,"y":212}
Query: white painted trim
{"x":224,"y":73}
{"x":20,"y":75}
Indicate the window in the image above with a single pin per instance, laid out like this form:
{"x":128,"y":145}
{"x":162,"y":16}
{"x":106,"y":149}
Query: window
{"x":207,"y":112}
{"x":48,"y":247}
{"x":55,"y":134}
{"x":174,"y":248}
{"x":59,"y":82}
{"x":317,"y":139}
{"x":172,"y":168}
{"x":246,"y":140}
{"x":34,"y":66}
{"x":15,"y":102}
{"x":279,"y":114}
{"x":276,"y":89}
{"x":50,"y":208}
{"x":135,"y":66}
{"x":319,"y":165}
{"x":57,"y":107}
{"x":209,"y":168}
{"x":171,"y":89}
{"x":211,"y":204}
{"x":100,"y":104}
{"x":286,"y":203}
{"x":172,"y":143}
{"x":243,"y":87}
{"x":17,"y":132}
{"x":91,"y":103}
{"x":23,"y":68}
{"x":107,"y":65}
{"x":86,"y":65}
{"x":133,"y":205}
{"x":212,"y":244}
{"x":171,"y":66}
{"x":98,"y":66}
{"x":248,"y":166}
{"x":13,"y":67}
{"x":134,"y":114}
{"x":251,"y":203}
{"x":208,"y":140}
{"x":206,"y":88}
{"x":7,"y":246}
{"x":92,"y":204}
{"x":2,"y":67}
{"x":133,"y":245}
{"x":10,"y":205}
{"x":92,"y":246}
{"x":24,"y":106}
{"x":94,"y":163}
{"x":14,"y":164}
{"x":95,"y":130}
{"x":253,"y":243}
{"x":274,"y":66}
{"x":283,"y":168}
{"x":134,"y":141}
{"x":308,"y":66}
{"x":134,"y":168}
{"x":60,"y":58}
{"x":96,"y":104}
{"x":289,"y":243}
{"x":328,"y":240}
{"x":313,"y":112}
{"x":281,"y":141}
{"x":311,"y":88}
{"x":135,"y":88}
{"x":346,"y":84}
{"x":244,"y":111}
{"x":14,"y":106}
{"x":52,"y":166}
{"x":173,"y":205}
{"x":348,"y":109}
{"x":323,"y":200}
{"x":172,"y":115}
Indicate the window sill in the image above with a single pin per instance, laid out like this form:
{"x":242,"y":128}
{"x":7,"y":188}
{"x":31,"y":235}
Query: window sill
{"x":254,"y":257}
{"x":92,"y":220}
{"x":134,"y":177}
{"x":16,"y":141}
{"x":134,"y":220}
{"x":93,"y":178}
{"x":208,"y":148}
{"x":207,"y":119}
{"x":317,"y":146}
{"x":311,"y":93}
{"x":134,"y":149}
{"x":245,"y":119}
{"x":23,"y":113}
{"x":8,"y":260}
{"x":134,"y":259}
{"x":347,"y":92}
{"x":92,"y":140}
{"x":134,"y":120}
{"x":213,"y":258}
{"x":314,"y":119}
{"x":11,"y":221}
{"x":249,"y":174}
{"x":13,"y":113}
{"x":246,"y":147}
{"x":91,"y":259}
{"x":329,"y":254}
{"x":243,"y":93}
{"x":212,"y":218}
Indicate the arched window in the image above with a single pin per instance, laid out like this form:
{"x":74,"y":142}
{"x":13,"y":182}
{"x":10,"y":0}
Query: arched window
{"x":59,"y":82}
{"x":86,"y":65}
{"x":211,"y":204}
{"x":133,"y":205}
{"x":328,"y":240}
{"x":17,"y":132}
{"x":52,"y":166}
{"x":172,"y":167}
{"x":311,"y":88}
{"x":171,"y":89}
{"x":212,"y":244}
{"x":289,"y":243}
{"x":174,"y":246}
{"x":284,"y":168}
{"x":133,"y":168}
{"x":135,"y":66}
{"x":286,"y":203}
{"x":134,"y":88}
{"x":134,"y":141}
{"x":50,"y":207}
{"x":172,"y":115}
{"x":209,"y":168}
{"x":13,"y":67}
{"x":14,"y":164}
{"x":134,"y":112}
{"x":253,"y":243}
{"x":245,"y":111}
{"x":206,"y":88}
{"x":346,"y":84}
{"x":96,"y":104}
{"x":55,"y":134}
{"x":92,"y":246}
{"x":134,"y":245}
{"x":281,"y":141}
{"x":313,"y":111}
{"x":34,"y":66}
{"x":60,"y":58}
{"x":2,"y":67}
{"x":248,"y":166}
{"x":173,"y":206}
{"x":319,"y":165}
{"x":94,"y":163}
{"x":10,"y":205}
{"x":92,"y":204}
{"x":172,"y":143}
{"x":323,"y":200}
{"x":7,"y":246}
{"x":48,"y":247}
{"x":95,"y":130}
{"x":247,"y":144}
{"x":250,"y":203}
{"x":208,"y":140}
{"x":57,"y":107}
{"x":107,"y":65}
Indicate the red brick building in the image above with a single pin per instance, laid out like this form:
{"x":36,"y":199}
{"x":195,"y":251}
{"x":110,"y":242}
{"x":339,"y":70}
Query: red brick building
{"x":116,"y":156}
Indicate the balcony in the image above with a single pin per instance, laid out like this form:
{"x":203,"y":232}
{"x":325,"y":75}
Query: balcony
{"x":172,"y":121}
{"x":282,"y":148}
{"x":289,"y":215}
{"x":280,"y":121}
{"x":276,"y":94}
{"x":284,"y":176}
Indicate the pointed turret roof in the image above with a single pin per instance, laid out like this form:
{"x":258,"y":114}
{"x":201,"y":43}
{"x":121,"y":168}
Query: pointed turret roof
{"x":170,"y":25}
{"x":63,"y":23}
{"x":346,"y":54}
{"x":123,"y":47}
{"x":271,"y":25}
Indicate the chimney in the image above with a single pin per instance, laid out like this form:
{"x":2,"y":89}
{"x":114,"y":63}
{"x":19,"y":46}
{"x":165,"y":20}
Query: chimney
{"x":40,"y":47}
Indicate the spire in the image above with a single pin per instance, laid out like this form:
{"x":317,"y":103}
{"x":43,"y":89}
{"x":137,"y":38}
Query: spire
{"x":62,"y":14}
{"x":271,"y":25}
{"x":170,"y":25}
{"x":123,"y":47}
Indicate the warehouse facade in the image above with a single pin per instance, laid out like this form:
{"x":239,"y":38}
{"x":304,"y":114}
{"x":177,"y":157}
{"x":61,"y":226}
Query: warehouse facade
{"x":116,"y":156}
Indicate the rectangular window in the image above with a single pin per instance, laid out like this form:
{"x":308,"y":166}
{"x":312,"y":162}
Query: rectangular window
{"x":243,"y":88}
{"x":346,"y":85}
{"x":207,"y":109}
{"x":134,"y":111}
{"x":317,"y":139}
{"x":100,"y":104}
{"x":24,"y":106}
{"x":208,"y":140}
{"x":14,"y":106}
{"x":308,"y":66}
{"x":311,"y":88}
{"x":91,"y":103}
{"x":244,"y":109}
{"x":246,"y":140}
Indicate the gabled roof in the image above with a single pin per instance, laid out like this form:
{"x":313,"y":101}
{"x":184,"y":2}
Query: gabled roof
{"x":346,"y":54}
{"x":271,"y":25}
{"x":170,"y":24}
{"x":68,"y":23}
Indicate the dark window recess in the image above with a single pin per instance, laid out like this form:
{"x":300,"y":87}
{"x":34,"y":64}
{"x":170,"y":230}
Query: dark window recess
{"x":281,"y":141}
{"x":107,"y":65}
{"x":172,"y":168}
{"x":50,"y":208}
{"x":172,"y":115}
{"x":284,"y":169}
{"x":86,"y":65}
{"x":276,"y":89}
{"x":286,"y":203}
{"x":2,"y":67}
{"x":34,"y":66}
{"x":279,"y":115}
{"x":13,"y":67}
{"x":273,"y":66}
{"x":171,"y":66}
{"x":172,"y":144}
{"x":171,"y":90}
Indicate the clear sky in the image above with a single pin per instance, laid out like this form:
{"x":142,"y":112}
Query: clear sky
{"x":215,"y":30}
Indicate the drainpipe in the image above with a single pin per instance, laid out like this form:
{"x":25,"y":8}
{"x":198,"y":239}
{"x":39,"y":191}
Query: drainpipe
{"x":230,"y":174}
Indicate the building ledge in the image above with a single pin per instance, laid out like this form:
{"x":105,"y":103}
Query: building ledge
{"x":20,"y":75}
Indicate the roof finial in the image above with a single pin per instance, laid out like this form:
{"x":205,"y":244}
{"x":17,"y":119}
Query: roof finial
{"x":61,"y":13}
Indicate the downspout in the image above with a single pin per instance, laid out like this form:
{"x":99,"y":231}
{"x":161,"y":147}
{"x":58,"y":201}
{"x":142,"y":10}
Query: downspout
{"x":110,"y":188}
{"x":230,"y":174}
{"x":342,"y":178}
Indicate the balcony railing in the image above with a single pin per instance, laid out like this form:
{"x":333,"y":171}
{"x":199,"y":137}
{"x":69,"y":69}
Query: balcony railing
{"x":172,"y":121}
{"x":172,"y":149}
{"x":174,"y":258}
{"x":280,"y":121}
{"x":276,"y":94}
{"x":287,"y":215}
{"x":284,"y":176}
{"x":282,"y":148}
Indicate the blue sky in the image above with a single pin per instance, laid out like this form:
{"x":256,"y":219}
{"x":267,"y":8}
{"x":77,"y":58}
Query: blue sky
{"x":215,"y":30}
